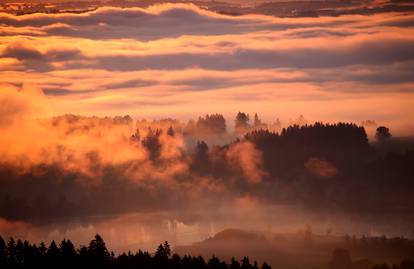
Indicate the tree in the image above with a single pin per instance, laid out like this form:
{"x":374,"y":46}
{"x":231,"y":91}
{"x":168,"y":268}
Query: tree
{"x":171,"y":131}
{"x":3,"y":252}
{"x":200,"y":159}
{"x":136,"y":137}
{"x":215,"y":263}
{"x":266,"y":266}
{"x":234,"y":264}
{"x":152,"y":143}
{"x":167,"y":249}
{"x":11,"y":251}
{"x":246,"y":263}
{"x":68,"y":253}
{"x":242,"y":123}
{"x":98,"y":251}
{"x":20,"y":253}
{"x":255,"y":265}
{"x":52,"y":255}
{"x":161,"y":253}
{"x":383,"y":133}
{"x":258,"y":124}
{"x":201,"y":151}
{"x":213,"y":124}
{"x":96,"y":255}
{"x":257,"y":121}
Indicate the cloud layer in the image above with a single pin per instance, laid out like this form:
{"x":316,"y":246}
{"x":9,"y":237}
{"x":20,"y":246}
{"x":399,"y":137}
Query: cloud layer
{"x":180,"y":59}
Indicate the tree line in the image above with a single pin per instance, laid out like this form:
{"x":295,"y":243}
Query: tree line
{"x":22,"y":254}
{"x":341,"y":259}
{"x":298,"y":158}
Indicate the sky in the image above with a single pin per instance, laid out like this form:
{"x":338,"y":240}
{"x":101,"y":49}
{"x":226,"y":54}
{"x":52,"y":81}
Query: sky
{"x":180,"y":61}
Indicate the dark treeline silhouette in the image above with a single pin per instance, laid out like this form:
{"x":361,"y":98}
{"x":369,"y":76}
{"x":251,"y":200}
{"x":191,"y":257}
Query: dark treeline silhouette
{"x":393,"y":248}
{"x":341,"y":259}
{"x":212,"y":124}
{"x":301,"y":157}
{"x":22,"y":254}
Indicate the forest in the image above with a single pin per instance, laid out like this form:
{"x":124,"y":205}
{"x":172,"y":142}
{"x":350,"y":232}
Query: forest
{"x":316,"y":165}
{"x":22,"y":254}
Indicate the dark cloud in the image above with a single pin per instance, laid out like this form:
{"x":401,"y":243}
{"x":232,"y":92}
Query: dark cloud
{"x":133,"y":23}
{"x":171,"y":21}
{"x":371,"y":52}
{"x":134,"y":83}
{"x":22,"y":52}
{"x":33,"y":59}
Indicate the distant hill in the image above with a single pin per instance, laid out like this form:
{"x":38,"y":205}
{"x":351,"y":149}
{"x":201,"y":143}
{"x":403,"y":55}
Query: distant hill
{"x":280,"y":251}
{"x":303,"y":249}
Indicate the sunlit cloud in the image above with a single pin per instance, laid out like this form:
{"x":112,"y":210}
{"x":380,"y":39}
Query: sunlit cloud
{"x":179,"y":58}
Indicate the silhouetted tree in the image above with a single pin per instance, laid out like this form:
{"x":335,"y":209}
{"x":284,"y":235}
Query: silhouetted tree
{"x":242,"y":123}
{"x":52,"y":256}
{"x":234,"y":264}
{"x":3,"y":252}
{"x":167,"y":249}
{"x":200,"y":159}
{"x":257,"y":123}
{"x":11,"y":253}
{"x":383,"y":133}
{"x":24,"y":255}
{"x":215,"y":263}
{"x":245,"y":264}
{"x":98,"y":252}
{"x":152,"y":143}
{"x":136,"y":137}
{"x":266,"y":266}
{"x":161,"y":253}
{"x":68,"y":253}
{"x":213,"y":124}
{"x":170,"y":131}
{"x":19,"y":253}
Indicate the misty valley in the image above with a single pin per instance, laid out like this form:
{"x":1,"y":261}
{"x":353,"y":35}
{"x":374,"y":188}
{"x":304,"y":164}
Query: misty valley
{"x":307,"y":195}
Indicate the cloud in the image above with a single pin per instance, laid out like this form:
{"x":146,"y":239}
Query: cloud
{"x":13,"y":227}
{"x":18,"y":104}
{"x":168,"y":21}
{"x":186,"y":60}
{"x":33,"y":59}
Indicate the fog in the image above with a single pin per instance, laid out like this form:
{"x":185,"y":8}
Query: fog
{"x":139,"y":182}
